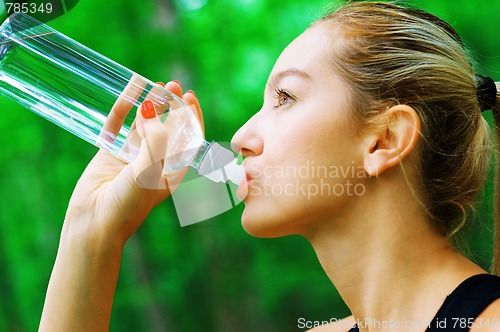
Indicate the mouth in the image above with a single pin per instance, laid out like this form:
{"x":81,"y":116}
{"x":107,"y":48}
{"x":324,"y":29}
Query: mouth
{"x":242,"y":191}
{"x":252,"y":173}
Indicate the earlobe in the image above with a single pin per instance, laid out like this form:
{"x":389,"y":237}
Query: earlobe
{"x":395,"y":139}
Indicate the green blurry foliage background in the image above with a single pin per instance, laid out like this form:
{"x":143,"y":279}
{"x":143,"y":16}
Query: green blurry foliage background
{"x":211,"y":276}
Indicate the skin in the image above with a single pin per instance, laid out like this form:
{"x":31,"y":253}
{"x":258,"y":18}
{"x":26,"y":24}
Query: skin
{"x":108,"y":205}
{"x":379,"y":248}
{"x":399,"y":257}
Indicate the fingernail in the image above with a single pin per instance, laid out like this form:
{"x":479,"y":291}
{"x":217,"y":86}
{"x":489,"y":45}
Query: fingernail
{"x":191,"y":91}
{"x":176,"y":81}
{"x":148,"y":109}
{"x":161,"y":83}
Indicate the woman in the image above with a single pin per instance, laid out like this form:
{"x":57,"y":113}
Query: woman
{"x":382,"y":108}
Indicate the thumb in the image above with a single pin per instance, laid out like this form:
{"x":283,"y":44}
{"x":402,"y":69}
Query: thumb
{"x":148,"y":166}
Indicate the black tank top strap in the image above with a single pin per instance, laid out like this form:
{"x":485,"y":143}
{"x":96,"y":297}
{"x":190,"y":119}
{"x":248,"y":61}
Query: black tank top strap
{"x":464,"y":304}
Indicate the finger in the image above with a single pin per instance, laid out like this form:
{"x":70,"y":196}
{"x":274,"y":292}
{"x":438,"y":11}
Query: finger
{"x":159,"y":96}
{"x":175,"y":88}
{"x":133,"y":127}
{"x":133,"y":142}
{"x":191,"y":100}
{"x":122,"y":107}
{"x":148,"y":166}
{"x":147,"y":120}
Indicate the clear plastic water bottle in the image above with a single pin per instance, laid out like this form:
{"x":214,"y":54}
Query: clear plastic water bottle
{"x":80,"y":89}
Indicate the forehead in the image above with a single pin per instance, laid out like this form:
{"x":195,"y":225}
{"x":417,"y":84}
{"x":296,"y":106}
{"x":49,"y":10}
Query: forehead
{"x":308,"y":52}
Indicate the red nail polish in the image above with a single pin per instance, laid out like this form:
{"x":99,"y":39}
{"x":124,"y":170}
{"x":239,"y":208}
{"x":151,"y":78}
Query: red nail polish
{"x":176,"y":81}
{"x":191,"y":91}
{"x":161,"y":83}
{"x":148,"y":109}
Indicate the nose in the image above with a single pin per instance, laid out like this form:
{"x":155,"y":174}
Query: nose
{"x":248,"y":140}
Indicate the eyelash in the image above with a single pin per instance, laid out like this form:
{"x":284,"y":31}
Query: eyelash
{"x":280,"y":93}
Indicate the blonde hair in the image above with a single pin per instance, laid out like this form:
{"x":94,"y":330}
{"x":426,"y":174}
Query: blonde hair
{"x":391,"y":55}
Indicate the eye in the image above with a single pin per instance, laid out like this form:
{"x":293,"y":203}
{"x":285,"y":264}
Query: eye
{"x":283,"y":97}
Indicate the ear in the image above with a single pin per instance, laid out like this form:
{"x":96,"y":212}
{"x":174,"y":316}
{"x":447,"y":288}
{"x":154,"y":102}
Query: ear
{"x":393,"y":141}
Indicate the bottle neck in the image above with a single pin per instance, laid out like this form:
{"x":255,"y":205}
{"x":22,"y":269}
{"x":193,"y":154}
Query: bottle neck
{"x":200,"y":155}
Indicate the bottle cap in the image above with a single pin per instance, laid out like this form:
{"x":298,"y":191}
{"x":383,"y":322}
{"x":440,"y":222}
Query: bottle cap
{"x":234,"y":172}
{"x":220,"y":165}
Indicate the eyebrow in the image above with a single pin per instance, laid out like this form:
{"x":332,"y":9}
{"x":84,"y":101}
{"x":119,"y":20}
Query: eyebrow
{"x":274,"y":80}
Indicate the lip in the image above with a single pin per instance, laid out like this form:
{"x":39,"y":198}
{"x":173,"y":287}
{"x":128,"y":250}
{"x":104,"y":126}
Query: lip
{"x":251,"y":173}
{"x":242,"y":190}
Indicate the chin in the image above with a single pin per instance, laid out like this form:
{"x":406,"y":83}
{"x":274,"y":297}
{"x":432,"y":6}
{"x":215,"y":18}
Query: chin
{"x":264,"y":225}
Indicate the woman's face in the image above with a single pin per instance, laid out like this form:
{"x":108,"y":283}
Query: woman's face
{"x":302,"y":163}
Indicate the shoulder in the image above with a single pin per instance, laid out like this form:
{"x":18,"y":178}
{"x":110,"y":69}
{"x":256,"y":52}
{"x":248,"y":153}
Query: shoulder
{"x":342,"y":325}
{"x":489,"y":319}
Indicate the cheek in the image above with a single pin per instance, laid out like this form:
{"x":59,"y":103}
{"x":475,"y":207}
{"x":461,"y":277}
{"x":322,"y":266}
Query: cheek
{"x":307,"y":171}
{"x":291,"y":195}
{"x":298,"y":197}
{"x":324,"y":139}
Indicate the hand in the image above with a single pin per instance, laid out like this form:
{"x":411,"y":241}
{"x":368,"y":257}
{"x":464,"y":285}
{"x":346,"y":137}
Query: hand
{"x":109,"y":203}
{"x":112,"y":199}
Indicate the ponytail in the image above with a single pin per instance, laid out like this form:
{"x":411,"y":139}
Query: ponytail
{"x":496,"y":251}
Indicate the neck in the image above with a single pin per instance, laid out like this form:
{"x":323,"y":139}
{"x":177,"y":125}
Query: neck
{"x":388,"y":262}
